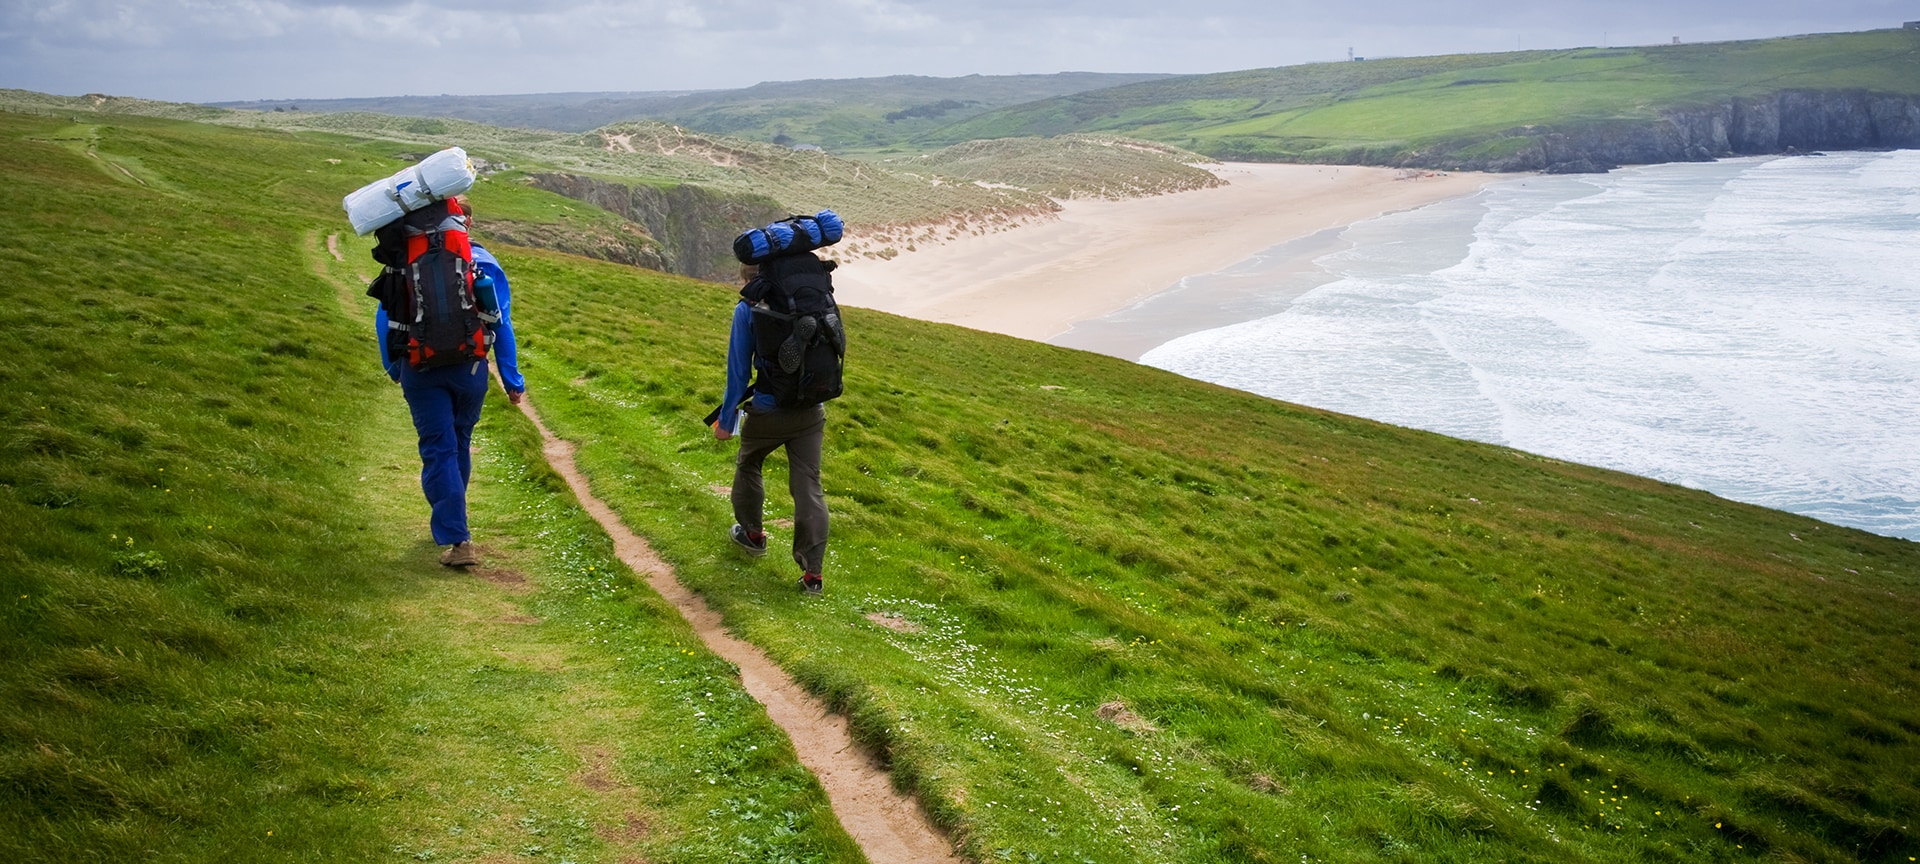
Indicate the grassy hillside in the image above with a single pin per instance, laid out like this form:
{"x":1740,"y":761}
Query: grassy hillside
{"x":646,"y":152}
{"x":840,"y":113}
{"x":560,"y":112}
{"x":1090,"y":611}
{"x":868,"y":113}
{"x":1093,"y":610}
{"x":886,"y":204}
{"x":1071,"y":166}
{"x":1331,"y":111}
{"x":226,"y":635}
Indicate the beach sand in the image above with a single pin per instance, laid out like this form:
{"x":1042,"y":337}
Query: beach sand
{"x":1038,"y":280}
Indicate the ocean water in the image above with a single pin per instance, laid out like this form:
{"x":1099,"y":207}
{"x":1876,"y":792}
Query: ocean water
{"x":1749,"y":327}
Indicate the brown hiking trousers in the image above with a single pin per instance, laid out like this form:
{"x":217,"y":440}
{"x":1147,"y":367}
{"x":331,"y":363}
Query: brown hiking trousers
{"x":802,"y":432}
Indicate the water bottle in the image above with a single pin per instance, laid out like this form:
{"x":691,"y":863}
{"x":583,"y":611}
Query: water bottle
{"x":485,"y":295}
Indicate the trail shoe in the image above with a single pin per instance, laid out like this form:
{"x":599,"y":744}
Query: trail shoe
{"x":461,"y":554}
{"x":811,"y":583}
{"x":836,"y":334}
{"x":752,"y":544}
{"x":792,"y":350}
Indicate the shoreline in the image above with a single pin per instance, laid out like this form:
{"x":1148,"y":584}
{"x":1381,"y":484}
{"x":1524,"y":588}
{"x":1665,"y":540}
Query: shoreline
{"x":1038,"y":281}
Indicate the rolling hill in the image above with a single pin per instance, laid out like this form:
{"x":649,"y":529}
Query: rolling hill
{"x":1516,"y":111}
{"x":1085,"y":610}
{"x":840,"y":114}
{"x":684,"y":194}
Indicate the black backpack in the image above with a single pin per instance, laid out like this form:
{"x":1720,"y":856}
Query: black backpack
{"x":799,"y":341}
{"x":433,"y":316}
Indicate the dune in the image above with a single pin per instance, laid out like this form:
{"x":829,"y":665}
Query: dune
{"x":1037,"y":280}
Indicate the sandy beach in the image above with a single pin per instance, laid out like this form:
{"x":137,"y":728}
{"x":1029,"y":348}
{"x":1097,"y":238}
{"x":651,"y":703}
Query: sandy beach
{"x":1036,"y":281}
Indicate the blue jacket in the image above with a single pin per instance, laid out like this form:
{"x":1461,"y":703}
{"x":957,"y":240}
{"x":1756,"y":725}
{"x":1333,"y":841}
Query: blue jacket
{"x":503,"y":350}
{"x":740,"y":359}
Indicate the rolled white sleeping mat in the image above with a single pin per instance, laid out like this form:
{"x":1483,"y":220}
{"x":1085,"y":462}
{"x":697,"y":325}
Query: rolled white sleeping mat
{"x":436,"y":178}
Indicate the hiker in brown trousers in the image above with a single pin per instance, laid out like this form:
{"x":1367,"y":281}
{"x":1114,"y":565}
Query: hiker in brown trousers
{"x":748,"y":411}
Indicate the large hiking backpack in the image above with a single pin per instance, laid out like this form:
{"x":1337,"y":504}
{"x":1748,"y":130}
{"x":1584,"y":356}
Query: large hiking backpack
{"x":800,"y":343}
{"x":434,"y":318}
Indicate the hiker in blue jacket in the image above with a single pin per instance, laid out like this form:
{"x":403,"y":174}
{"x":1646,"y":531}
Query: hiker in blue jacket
{"x":763,"y":428}
{"x":445,"y":403}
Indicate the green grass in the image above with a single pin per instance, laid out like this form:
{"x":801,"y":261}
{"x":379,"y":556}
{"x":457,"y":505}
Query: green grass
{"x":868,"y":195}
{"x":1353,"y":641}
{"x":1071,"y":166}
{"x":1087,"y":610}
{"x":1384,"y":109}
{"x":838,"y":114}
{"x":227,"y":638}
{"x":864,"y":113}
{"x":884,"y":198}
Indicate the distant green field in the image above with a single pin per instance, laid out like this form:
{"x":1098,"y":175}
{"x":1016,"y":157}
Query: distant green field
{"x":1069,"y":166}
{"x":1086,"y":610}
{"x":1402,"y":105}
{"x":867,"y":114}
{"x":840,"y":114}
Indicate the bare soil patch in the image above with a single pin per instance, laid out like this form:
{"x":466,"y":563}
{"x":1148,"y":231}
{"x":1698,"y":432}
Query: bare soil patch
{"x":512,"y":581}
{"x":893,"y":622}
{"x":598,"y":776}
{"x":632,"y":829}
{"x":1117,"y":713}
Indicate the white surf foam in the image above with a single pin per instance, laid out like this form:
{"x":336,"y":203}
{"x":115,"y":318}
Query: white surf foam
{"x":1749,"y":327}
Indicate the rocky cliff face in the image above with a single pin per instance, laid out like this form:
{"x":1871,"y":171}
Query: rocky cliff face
{"x":694,"y":225}
{"x":631,"y":246}
{"x":1785,"y":122}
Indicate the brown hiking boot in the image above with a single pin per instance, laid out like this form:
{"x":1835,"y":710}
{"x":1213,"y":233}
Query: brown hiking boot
{"x":461,"y":554}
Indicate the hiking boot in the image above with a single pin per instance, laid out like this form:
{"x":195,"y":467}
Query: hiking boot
{"x":752,"y":544}
{"x":793,"y":350}
{"x":811,"y":583}
{"x":836,"y":334}
{"x":461,"y":554}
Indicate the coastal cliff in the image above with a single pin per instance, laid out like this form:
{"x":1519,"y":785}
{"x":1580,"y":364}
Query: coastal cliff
{"x":630,"y":246}
{"x":1788,"y":121}
{"x":694,"y":225}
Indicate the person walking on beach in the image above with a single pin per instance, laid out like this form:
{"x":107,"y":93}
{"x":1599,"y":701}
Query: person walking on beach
{"x":445,"y":397}
{"x":768,"y":412}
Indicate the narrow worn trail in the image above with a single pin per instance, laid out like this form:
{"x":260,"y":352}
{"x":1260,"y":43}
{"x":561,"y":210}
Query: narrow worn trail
{"x":890,"y":827}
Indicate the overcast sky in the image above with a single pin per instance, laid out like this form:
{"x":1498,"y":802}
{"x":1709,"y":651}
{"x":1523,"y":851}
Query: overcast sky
{"x":207,"y":50}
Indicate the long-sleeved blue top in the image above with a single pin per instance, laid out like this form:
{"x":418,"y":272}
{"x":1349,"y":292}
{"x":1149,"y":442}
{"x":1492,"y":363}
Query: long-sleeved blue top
{"x":503,"y":350}
{"x":740,"y":359}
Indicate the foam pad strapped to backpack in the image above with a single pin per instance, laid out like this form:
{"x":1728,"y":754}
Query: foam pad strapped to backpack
{"x":436,"y":178}
{"x":788,"y":236}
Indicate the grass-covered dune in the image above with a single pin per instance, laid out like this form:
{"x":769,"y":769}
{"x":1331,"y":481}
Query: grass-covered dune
{"x":1088,"y":610}
{"x":1404,"y":109}
{"x":1070,"y":166}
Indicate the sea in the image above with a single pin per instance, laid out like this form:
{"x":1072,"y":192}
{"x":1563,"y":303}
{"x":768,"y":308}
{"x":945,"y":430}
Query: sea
{"x":1750,"y":327}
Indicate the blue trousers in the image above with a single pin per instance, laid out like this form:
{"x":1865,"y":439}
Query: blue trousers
{"x":446,"y":405}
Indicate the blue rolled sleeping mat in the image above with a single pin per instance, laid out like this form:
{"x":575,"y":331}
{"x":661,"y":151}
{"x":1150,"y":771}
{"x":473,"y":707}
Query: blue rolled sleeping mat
{"x":789,"y":236}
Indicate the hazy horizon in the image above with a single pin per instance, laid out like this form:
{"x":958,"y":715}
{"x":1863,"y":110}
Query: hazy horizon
{"x":186,"y":51}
